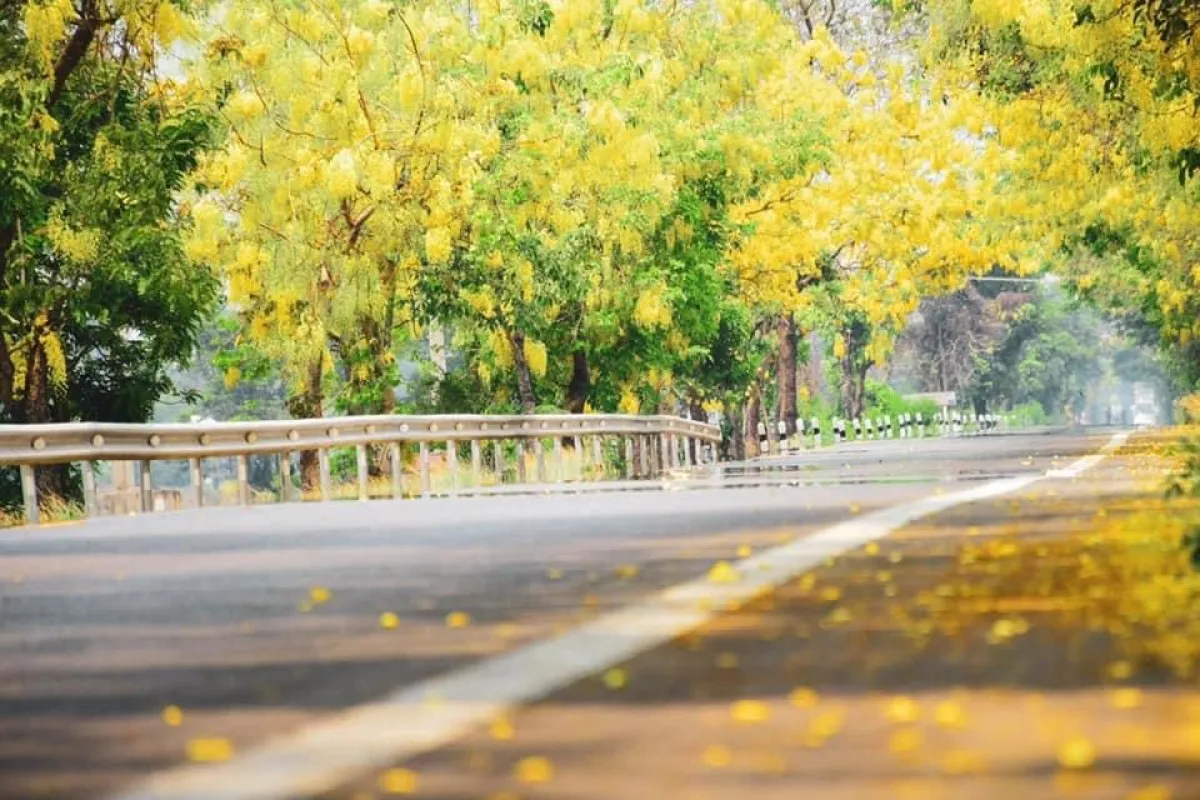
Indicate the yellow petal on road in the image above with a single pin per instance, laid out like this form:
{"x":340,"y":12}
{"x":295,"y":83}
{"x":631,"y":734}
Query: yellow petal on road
{"x":208,"y":750}
{"x":173,"y":716}
{"x":615,"y":679}
{"x":949,"y":714}
{"x":319,"y":594}
{"x":389,"y":621}
{"x":1077,"y":754}
{"x":534,"y":769}
{"x":1153,"y":792}
{"x":902,"y":709}
{"x":717,"y":756}
{"x":827,"y":724}
{"x":1126,"y":698}
{"x":750,"y":711}
{"x":627,"y":571}
{"x":723,"y":572}
{"x":501,"y":729}
{"x":744,"y":551}
{"x":398,"y":781}
{"x":802,"y":697}
{"x":458,"y":619}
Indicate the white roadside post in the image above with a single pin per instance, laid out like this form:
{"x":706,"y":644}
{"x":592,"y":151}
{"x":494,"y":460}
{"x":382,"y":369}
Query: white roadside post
{"x":870,"y":428}
{"x":857,"y":429}
{"x":784,"y":442}
{"x":762,"y":440}
{"x":816,"y":433}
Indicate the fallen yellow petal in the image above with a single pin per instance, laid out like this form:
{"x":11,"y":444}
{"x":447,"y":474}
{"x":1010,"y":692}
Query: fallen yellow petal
{"x":1126,"y":698}
{"x":717,"y":756}
{"x":319,"y":594}
{"x":501,"y":729}
{"x":802,"y":697}
{"x":1077,"y":754}
{"x":723,"y":572}
{"x":389,"y":620}
{"x":458,"y":619}
{"x":398,"y":781}
{"x":949,"y":714}
{"x":173,"y":716}
{"x":750,"y":711}
{"x":615,"y":679}
{"x":534,"y":769}
{"x":902,"y":709}
{"x":744,"y":551}
{"x":207,"y":750}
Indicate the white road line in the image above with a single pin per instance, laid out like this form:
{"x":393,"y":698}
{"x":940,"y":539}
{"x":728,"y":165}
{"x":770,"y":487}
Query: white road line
{"x":427,"y":715}
{"x":1087,"y":462}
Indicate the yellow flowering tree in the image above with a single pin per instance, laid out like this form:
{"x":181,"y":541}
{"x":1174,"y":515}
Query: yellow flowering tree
{"x":1096,"y":106}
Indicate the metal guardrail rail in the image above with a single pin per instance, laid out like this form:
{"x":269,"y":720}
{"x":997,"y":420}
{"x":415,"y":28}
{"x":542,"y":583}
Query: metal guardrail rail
{"x":663,"y":442}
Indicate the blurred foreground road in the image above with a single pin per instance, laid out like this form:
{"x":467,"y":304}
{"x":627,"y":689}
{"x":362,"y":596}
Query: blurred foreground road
{"x":259,"y":624}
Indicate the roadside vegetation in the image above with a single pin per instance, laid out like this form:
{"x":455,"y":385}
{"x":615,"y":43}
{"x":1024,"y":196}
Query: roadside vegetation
{"x":763,"y":210}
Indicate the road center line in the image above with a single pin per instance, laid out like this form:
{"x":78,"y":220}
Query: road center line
{"x":429,"y":714}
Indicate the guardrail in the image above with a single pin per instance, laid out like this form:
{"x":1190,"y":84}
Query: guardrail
{"x":662,"y":442}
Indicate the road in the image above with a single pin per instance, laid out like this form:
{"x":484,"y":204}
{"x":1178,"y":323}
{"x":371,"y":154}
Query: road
{"x":264,"y":626}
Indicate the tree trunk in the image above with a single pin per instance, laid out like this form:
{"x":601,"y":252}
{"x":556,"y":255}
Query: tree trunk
{"x":580,"y":386}
{"x":854,"y":368}
{"x":307,"y":404}
{"x":750,"y":428}
{"x":854,"y":384}
{"x":53,"y":482}
{"x":524,"y":378}
{"x":788,"y":340}
{"x":735,"y":448}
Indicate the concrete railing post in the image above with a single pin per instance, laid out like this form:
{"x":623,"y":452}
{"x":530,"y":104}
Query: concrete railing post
{"x":498,"y":458}
{"x":539,"y":451}
{"x":285,"y":478}
{"x":397,"y":462}
{"x":90,"y":504}
{"x":146,"y":488}
{"x":476,"y":464}
{"x":243,"y":479}
{"x":452,"y":463}
{"x":423,"y":467}
{"x":29,"y":494}
{"x":364,"y":475}
{"x":522,"y":467}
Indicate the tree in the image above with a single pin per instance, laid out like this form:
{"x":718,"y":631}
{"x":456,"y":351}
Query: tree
{"x":1097,"y":107}
{"x":97,"y":298}
{"x":952,"y":335}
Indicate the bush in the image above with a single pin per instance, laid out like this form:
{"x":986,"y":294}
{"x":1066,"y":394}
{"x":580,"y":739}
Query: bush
{"x":1029,"y":414}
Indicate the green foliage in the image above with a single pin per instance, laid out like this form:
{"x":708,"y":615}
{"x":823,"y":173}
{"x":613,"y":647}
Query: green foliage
{"x":1049,"y":354}
{"x":883,"y":400}
{"x":1029,"y":414}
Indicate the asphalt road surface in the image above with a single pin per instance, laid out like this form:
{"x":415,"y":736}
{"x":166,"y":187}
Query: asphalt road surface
{"x":261,"y":625}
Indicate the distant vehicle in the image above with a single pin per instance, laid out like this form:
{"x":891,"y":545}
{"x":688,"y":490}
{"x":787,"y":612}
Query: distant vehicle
{"x":1145,"y":414}
{"x":1145,"y":406}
